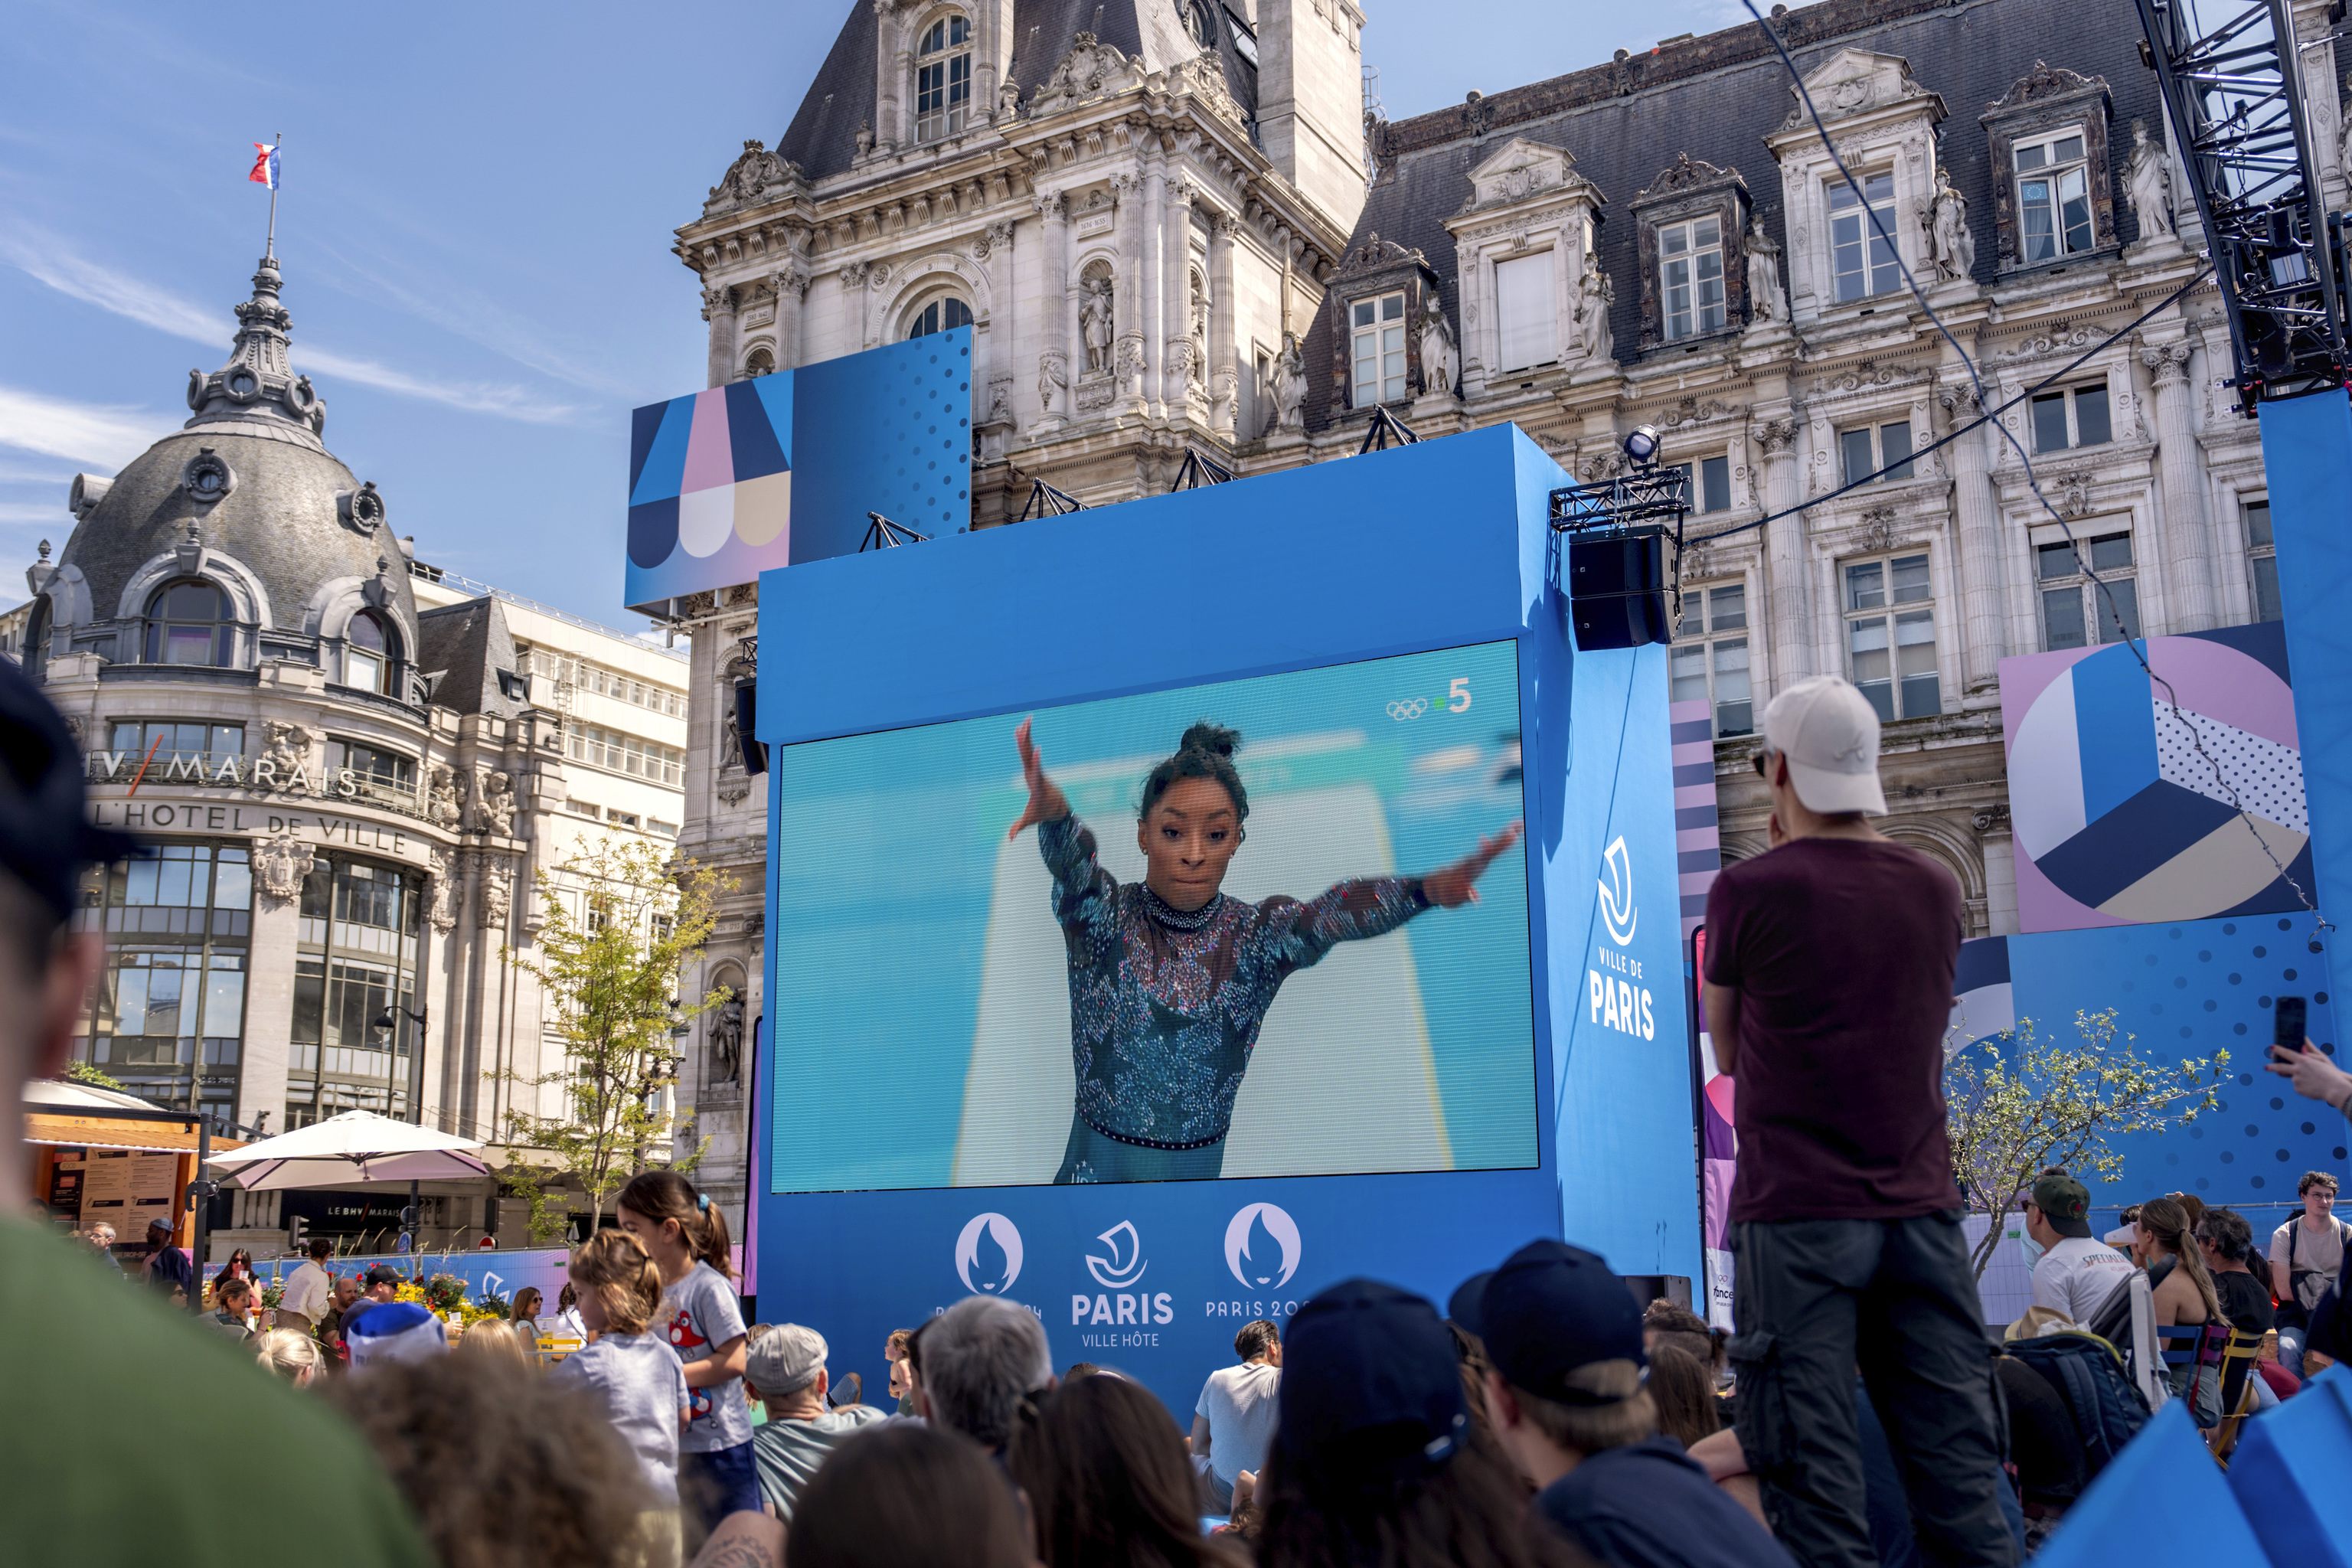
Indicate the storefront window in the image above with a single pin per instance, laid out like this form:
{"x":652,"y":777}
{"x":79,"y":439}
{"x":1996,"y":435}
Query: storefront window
{"x":167,"y":1016}
{"x":354,"y":1035}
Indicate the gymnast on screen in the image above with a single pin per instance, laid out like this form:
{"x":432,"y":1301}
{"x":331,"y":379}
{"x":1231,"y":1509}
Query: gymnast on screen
{"x":1171,"y":981}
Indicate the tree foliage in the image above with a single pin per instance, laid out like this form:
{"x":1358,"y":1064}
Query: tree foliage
{"x":80,"y":1071}
{"x":2017,"y":1104}
{"x":621,"y":922}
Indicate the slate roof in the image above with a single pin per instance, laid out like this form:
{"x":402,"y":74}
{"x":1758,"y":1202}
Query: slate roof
{"x":464,"y":648}
{"x":823,"y":136}
{"x":1716,"y":97}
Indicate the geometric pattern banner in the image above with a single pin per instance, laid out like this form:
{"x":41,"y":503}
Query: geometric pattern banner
{"x":784,"y":468}
{"x":2127,"y":813}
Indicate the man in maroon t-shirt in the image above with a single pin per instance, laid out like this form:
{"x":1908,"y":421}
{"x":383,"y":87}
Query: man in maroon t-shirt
{"x":1828,"y":986}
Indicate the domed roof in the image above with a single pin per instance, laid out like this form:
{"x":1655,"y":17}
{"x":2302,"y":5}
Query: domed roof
{"x":249,"y":472}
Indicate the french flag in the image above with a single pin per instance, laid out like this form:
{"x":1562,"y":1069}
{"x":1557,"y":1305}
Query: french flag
{"x":265,"y":167}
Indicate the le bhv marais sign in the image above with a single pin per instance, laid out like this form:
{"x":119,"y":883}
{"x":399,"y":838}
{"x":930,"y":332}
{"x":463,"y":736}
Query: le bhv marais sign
{"x":261,"y":775}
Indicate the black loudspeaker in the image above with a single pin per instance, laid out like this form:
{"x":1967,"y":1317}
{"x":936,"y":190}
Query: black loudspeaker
{"x":1617,"y":587}
{"x":746,"y":712}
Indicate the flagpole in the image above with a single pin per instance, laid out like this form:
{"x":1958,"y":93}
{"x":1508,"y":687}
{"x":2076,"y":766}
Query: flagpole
{"x":269,"y":246}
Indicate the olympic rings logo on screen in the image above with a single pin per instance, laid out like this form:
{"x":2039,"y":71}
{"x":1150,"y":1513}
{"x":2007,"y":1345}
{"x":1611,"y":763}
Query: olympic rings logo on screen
{"x":1408,"y":708}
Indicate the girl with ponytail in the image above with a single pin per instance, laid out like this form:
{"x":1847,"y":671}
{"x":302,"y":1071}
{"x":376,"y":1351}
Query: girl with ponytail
{"x":1171,"y":981}
{"x":2181,"y":1296}
{"x":685,"y":1236}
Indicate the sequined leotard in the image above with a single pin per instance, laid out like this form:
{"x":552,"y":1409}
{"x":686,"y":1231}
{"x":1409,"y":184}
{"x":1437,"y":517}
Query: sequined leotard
{"x":1165,"y":1006}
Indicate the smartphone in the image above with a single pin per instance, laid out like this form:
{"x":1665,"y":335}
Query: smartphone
{"x":2289,"y":1023}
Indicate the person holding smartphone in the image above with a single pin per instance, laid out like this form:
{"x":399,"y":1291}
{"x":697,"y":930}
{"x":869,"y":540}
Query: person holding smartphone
{"x":2304,"y":1064}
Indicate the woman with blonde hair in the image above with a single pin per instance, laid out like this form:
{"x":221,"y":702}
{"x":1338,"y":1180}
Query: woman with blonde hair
{"x":291,"y":1354}
{"x":491,"y":1337}
{"x":2181,"y":1295}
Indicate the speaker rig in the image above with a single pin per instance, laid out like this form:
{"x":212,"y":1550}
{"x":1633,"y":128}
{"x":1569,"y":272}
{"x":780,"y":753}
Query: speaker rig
{"x":1610,"y":557}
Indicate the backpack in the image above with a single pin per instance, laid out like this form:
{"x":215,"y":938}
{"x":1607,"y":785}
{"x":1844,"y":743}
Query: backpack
{"x":2089,"y":1377}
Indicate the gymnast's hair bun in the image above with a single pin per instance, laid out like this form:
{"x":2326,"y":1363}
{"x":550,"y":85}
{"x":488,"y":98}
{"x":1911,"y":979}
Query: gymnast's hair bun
{"x":1215,"y":739}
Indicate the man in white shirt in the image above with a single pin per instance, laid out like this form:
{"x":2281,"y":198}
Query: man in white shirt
{"x":1235,"y":1417}
{"x":2076,"y":1274}
{"x":2306,"y":1253}
{"x":308,"y":1289}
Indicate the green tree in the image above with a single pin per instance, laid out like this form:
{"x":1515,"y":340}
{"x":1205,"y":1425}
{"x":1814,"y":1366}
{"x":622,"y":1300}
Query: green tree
{"x":2016,"y":1104}
{"x":621,"y":922}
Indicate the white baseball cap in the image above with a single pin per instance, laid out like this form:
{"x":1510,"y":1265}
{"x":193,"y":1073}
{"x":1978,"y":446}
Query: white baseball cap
{"x":1828,"y":732}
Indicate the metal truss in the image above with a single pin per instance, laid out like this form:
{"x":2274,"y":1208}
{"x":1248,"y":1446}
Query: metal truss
{"x":2233,"y":91}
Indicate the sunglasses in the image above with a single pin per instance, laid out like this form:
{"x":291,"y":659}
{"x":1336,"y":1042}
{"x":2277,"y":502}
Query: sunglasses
{"x":1763,"y":761}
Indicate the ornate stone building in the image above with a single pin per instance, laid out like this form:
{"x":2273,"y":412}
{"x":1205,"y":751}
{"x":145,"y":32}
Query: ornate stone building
{"x":350,"y":764}
{"x":1660,"y":240}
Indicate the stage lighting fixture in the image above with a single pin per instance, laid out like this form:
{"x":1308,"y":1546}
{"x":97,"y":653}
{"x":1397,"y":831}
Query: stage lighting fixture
{"x":1641,"y":445}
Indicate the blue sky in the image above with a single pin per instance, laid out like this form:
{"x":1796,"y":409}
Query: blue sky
{"x":474,"y":231}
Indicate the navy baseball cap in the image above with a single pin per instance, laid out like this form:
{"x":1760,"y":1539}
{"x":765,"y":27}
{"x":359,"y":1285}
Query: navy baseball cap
{"x":1464,"y":1307}
{"x":1364,"y":1358}
{"x":45,"y":837}
{"x":1551,"y":1309}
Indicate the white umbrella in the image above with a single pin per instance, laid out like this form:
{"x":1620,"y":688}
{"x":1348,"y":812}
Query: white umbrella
{"x":357,"y":1146}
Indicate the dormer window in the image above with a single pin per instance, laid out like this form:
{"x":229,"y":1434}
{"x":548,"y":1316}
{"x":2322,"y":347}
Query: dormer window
{"x":2053,"y":198}
{"x":191,"y":623}
{"x":1377,"y":334}
{"x":1862,"y":262}
{"x":369,"y":649}
{"x":943,"y":79}
{"x":1690,"y":277}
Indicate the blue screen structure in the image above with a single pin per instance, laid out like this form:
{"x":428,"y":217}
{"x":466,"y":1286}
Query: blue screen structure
{"x":1027,"y":1030}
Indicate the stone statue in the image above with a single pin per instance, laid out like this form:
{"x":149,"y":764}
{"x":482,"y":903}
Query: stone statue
{"x":727,"y":1040}
{"x":279,"y":864}
{"x":441,"y":797}
{"x":865,"y":137}
{"x":1200,"y":334}
{"x":497,"y":894}
{"x":497,"y":798}
{"x":1594,"y":294}
{"x":1439,"y":363}
{"x":1950,"y":245}
{"x":1765,"y":301}
{"x":443,"y":910}
{"x":1290,"y":387}
{"x":2151,"y":184}
{"x":1094,"y":319}
{"x":287,"y":752}
{"x":1008,"y":98}
{"x":1053,"y":380}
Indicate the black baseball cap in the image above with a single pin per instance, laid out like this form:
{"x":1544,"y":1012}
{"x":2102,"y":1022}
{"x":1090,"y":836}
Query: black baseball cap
{"x":2064,"y":1202}
{"x":46,"y":838}
{"x":1551,"y":1309}
{"x":1464,"y":1305}
{"x":1370,"y":1367}
{"x":383,"y":1274}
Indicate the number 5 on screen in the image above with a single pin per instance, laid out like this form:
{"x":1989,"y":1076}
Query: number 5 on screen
{"x":1457,"y":695}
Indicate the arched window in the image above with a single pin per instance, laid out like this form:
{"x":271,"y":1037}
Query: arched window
{"x":939,"y":316}
{"x":943,"y":79}
{"x":191,"y":622}
{"x":369,"y":649}
{"x":760,"y":362}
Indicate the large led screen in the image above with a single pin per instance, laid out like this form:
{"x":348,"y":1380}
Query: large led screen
{"x":965,"y":995}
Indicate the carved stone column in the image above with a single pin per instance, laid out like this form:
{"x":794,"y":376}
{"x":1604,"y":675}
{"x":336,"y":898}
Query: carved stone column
{"x":2189,"y":564}
{"x":1225,"y":374}
{"x":1150,"y":320}
{"x":1058,"y":295}
{"x":1177,"y":369}
{"x":2001,"y":869}
{"x":1785,"y":587}
{"x":791,"y":287}
{"x":1983,"y":638}
{"x":1127,"y":346}
{"x":719,"y":309}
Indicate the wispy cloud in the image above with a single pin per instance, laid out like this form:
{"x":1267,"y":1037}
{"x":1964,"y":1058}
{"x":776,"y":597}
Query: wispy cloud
{"x":106,"y":436}
{"x":33,"y":474}
{"x":479,"y":319}
{"x":34,"y":511}
{"x":48,"y":260}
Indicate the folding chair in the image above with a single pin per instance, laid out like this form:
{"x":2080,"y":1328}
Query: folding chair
{"x":2242,"y":1351}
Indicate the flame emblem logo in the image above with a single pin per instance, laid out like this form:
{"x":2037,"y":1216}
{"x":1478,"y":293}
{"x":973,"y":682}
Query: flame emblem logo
{"x":1617,"y":910}
{"x":1124,"y":1244}
{"x":994,"y":1267}
{"x":1262,"y":1246}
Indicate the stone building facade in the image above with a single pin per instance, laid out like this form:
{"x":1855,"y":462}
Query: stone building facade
{"x":1662,"y":240}
{"x":350,"y":765}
